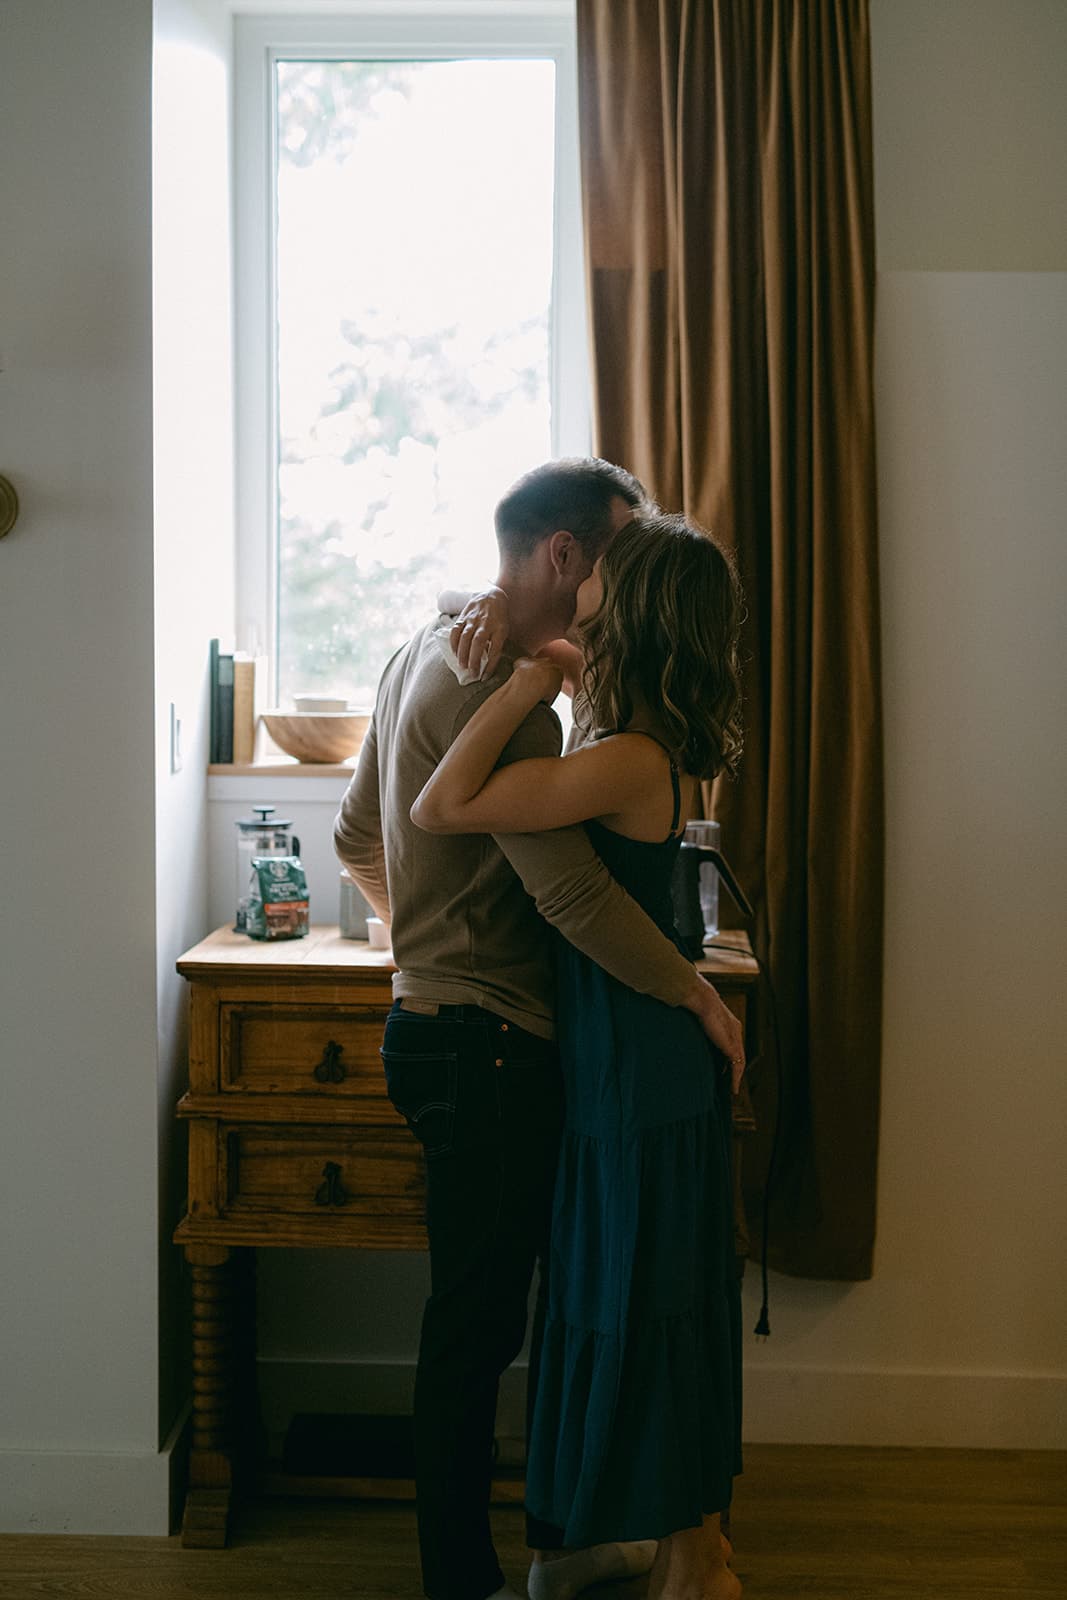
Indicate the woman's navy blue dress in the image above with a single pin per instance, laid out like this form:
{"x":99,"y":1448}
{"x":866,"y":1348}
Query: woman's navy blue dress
{"x":635,"y":1427}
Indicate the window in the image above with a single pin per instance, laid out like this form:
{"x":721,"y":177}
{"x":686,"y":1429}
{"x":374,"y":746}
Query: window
{"x":410,"y":315}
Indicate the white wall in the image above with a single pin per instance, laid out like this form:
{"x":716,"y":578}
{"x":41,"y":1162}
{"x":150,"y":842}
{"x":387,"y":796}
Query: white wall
{"x":78,"y":1250}
{"x":110,"y":582}
{"x":194,"y":545}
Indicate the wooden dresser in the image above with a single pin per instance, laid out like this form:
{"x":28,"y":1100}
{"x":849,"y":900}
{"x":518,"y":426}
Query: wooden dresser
{"x":293,"y":1141}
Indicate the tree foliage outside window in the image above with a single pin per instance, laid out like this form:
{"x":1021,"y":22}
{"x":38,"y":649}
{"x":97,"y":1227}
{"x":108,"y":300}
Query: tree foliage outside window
{"x":414,"y":265}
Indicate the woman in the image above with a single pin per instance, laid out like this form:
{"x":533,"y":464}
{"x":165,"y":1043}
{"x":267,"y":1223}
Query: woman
{"x":636,"y":1401}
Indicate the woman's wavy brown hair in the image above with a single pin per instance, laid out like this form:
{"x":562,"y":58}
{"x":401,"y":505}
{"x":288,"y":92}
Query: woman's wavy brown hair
{"x":668,"y":628}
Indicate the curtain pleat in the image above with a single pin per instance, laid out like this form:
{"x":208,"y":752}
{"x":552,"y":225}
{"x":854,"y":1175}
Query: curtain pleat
{"x":727,"y":191}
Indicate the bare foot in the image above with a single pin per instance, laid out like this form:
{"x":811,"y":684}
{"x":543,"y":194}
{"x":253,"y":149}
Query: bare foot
{"x":691,"y":1565}
{"x":720,"y":1584}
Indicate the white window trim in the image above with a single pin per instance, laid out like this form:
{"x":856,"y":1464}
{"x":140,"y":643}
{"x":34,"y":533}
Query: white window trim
{"x":401,"y":30}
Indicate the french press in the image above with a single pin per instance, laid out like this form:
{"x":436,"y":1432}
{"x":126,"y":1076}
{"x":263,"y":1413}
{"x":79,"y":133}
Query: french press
{"x":261,"y":835}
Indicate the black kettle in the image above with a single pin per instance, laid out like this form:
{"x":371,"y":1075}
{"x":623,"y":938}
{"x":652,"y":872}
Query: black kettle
{"x":685,"y":893}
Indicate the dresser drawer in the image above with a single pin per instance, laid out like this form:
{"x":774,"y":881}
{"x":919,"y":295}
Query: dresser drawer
{"x":355,"y":1172}
{"x":300,"y":1049}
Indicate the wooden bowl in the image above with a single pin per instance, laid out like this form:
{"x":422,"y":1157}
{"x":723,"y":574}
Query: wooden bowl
{"x":318,"y":736}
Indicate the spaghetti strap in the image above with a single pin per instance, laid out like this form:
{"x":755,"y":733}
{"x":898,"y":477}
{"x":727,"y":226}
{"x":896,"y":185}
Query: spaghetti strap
{"x":677,"y":798}
{"x":675,"y":786}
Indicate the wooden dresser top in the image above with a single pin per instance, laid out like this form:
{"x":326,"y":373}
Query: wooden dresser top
{"x":325,"y":952}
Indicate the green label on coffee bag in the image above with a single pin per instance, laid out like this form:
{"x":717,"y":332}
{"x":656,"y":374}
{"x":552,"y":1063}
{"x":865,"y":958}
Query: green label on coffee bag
{"x":277,"y":898}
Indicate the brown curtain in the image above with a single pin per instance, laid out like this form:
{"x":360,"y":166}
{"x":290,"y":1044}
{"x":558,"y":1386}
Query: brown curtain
{"x":726,"y":166}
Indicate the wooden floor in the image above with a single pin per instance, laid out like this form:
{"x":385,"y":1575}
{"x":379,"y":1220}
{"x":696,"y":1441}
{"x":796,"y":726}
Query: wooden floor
{"x":808,"y":1521}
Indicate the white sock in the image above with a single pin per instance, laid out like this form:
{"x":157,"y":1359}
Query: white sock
{"x":506,"y":1593}
{"x":566,"y":1577}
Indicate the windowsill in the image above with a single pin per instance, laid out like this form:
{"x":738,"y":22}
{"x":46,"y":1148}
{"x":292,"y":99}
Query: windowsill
{"x":283,"y":767}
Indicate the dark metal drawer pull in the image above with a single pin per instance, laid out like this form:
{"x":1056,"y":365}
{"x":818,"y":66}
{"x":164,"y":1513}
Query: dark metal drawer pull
{"x":332,"y":1192}
{"x":330,"y":1069}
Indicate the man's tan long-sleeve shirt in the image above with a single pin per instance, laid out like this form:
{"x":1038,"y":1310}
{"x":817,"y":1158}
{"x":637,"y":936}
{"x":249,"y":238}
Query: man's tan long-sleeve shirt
{"x":469,"y":912}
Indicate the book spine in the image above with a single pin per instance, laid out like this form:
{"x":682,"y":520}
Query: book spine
{"x":244,"y":713}
{"x":225,"y":708}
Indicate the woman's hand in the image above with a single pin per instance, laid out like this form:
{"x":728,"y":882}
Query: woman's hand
{"x":480,"y":631}
{"x":721,"y":1027}
{"x":537,"y":678}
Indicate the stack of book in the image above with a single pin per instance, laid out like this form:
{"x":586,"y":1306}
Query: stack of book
{"x":238,"y":683}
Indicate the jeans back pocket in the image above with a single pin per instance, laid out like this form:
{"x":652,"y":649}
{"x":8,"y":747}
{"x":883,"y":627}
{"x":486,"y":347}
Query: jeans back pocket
{"x":422,"y":1087}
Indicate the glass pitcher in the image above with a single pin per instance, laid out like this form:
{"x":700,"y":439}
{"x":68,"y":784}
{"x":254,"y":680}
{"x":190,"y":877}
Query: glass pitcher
{"x":261,"y":835}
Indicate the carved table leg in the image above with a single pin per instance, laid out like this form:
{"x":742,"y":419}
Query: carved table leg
{"x":207,"y":1504}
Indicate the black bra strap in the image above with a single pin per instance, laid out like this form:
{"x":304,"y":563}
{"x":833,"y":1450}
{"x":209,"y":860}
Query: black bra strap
{"x":677,"y":798}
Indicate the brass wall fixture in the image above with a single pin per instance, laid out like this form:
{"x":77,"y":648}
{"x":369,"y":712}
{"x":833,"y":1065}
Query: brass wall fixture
{"x":9,"y":505}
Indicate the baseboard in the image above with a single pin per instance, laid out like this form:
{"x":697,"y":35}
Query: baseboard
{"x":783,"y":1405}
{"x":947,"y":1410}
{"x":88,"y":1492}
{"x":55,"y":1491}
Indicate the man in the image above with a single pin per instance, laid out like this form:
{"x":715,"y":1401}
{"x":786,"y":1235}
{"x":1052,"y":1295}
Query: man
{"x":468,"y":1050}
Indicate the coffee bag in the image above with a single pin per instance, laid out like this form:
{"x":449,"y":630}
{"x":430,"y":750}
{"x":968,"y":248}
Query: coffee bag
{"x":277,"y":898}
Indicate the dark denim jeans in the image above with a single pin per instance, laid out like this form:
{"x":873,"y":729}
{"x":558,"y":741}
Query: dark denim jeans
{"x":485,"y":1100}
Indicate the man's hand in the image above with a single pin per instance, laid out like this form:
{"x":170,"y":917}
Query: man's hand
{"x":480,"y":631}
{"x":721,"y":1027}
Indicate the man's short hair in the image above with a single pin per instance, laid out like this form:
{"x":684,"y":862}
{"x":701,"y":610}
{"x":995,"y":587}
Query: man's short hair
{"x":575,"y":493}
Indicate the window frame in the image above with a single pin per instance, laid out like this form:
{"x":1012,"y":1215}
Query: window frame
{"x":403,"y":30}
